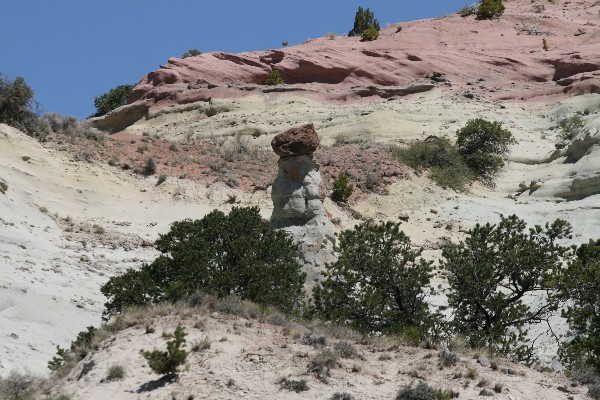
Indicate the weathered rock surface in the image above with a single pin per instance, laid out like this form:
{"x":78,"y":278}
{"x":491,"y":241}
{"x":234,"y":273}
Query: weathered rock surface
{"x":298,"y":209}
{"x":296,"y":141}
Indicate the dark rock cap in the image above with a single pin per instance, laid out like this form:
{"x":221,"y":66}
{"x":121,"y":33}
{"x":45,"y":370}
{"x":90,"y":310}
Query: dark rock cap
{"x":296,"y":141}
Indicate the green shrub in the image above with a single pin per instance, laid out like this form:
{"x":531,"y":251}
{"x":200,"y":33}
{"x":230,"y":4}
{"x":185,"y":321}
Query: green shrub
{"x":363,"y":20}
{"x":58,"y":360}
{"x":115,"y":372}
{"x":438,"y":155}
{"x":484,"y":145}
{"x":491,"y":274}
{"x":167,"y":362}
{"x":579,"y":287}
{"x":112,"y":99}
{"x":378,"y":283}
{"x":274,"y":78}
{"x":17,"y":105}
{"x":191,"y":53}
{"x":594,"y":391}
{"x":284,"y":43}
{"x":369,"y":34}
{"x":489,"y":9}
{"x":342,"y":188}
{"x":569,"y":127}
{"x":236,"y":254}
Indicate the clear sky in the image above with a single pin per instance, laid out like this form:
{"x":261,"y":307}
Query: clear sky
{"x":70,"y":51}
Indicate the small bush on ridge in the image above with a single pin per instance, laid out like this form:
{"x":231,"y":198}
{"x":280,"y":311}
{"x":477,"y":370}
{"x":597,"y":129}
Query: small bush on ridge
{"x":167,"y":362}
{"x":112,"y":99}
{"x":369,"y":34}
{"x":489,"y":9}
{"x":191,"y":53}
{"x":274,"y":78}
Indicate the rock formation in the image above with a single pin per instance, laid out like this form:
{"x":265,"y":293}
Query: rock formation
{"x":297,"y":203}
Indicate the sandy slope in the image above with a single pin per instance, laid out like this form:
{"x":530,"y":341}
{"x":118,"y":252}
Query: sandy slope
{"x":51,"y":269}
{"x":248,"y":357}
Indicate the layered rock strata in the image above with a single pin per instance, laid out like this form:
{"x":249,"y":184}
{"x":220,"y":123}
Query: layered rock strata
{"x":297,"y":204}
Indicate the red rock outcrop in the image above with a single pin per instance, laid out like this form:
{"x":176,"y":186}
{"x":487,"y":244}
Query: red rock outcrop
{"x":500,"y":59}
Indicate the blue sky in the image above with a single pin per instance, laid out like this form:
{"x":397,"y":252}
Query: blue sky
{"x":70,"y":51}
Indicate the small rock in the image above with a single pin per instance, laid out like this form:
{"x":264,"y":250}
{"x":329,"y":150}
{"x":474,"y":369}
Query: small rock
{"x":523,"y":186}
{"x":403,"y":217}
{"x":484,"y":362}
{"x":433,"y":211}
{"x":580,"y":32}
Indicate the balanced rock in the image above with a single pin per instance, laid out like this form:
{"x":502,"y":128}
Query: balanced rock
{"x":298,"y":203}
{"x":296,"y":141}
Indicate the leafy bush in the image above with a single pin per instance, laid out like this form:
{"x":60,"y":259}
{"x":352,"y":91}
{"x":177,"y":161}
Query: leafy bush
{"x":17,"y":105}
{"x":569,"y":127}
{"x":191,"y":53}
{"x":345,"y":350}
{"x":492,"y":272}
{"x":363,"y":20}
{"x":161,"y":180}
{"x":112,"y":99}
{"x":369,"y":34}
{"x":446,"y":167}
{"x":377,"y":284}
{"x":284,"y":43}
{"x":484,"y":145}
{"x":274,"y":78}
{"x":580,"y":288}
{"x":236,"y":254}
{"x":342,"y":188}
{"x":489,"y":9}
{"x":167,"y":362}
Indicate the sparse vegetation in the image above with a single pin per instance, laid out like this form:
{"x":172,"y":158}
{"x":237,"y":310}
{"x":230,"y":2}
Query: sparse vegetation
{"x":235,"y":254}
{"x":438,"y":155}
{"x":489,"y":9}
{"x":115,"y":372}
{"x":378,"y":283}
{"x":294,"y":385}
{"x":285,"y":43}
{"x":569,"y":127}
{"x":112,"y":99}
{"x":322,"y":363}
{"x":491,"y":272}
{"x":191,"y":53}
{"x":274,"y":78}
{"x":341,"y":396}
{"x":467,"y":10}
{"x":167,"y":362}
{"x":342,"y":188}
{"x":424,"y":392}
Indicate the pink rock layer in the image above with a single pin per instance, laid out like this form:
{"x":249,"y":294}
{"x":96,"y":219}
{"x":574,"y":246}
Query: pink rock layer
{"x":500,"y":59}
